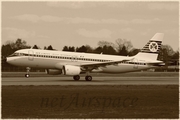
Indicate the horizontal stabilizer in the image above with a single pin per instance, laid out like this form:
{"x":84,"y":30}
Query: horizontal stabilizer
{"x":157,"y":63}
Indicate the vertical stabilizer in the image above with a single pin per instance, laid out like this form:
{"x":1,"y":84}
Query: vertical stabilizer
{"x":152,"y":48}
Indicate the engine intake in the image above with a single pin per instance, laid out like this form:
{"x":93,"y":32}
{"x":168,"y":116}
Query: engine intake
{"x":71,"y":70}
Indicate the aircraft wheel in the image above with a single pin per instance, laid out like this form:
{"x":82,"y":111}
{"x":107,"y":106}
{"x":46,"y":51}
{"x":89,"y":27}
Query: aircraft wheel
{"x":27,"y":70}
{"x":76,"y":77}
{"x":26,"y":75}
{"x":88,"y":78}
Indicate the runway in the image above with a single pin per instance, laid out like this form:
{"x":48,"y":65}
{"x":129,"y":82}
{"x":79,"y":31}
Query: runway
{"x":172,"y":80}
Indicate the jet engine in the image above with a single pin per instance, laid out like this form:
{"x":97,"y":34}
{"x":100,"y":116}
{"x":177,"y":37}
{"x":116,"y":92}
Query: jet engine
{"x":53,"y":71}
{"x":71,"y":70}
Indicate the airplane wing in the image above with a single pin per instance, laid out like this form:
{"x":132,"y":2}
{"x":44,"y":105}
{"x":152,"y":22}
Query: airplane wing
{"x":96,"y":65}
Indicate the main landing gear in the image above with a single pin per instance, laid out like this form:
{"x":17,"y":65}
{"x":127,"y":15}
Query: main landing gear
{"x":27,"y":70}
{"x":76,"y":77}
{"x":87,"y":78}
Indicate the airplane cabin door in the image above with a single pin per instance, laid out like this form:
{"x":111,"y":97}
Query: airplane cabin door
{"x":31,"y":55}
{"x":135,"y":64}
{"x":74,"y":58}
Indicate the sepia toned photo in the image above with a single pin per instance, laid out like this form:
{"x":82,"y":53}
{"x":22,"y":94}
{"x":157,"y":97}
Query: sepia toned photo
{"x":90,"y":60}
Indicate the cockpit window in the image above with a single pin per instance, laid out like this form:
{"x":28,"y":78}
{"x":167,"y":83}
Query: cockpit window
{"x":17,"y":54}
{"x":14,"y":54}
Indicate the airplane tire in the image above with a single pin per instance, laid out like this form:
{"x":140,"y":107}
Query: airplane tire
{"x":88,"y":78}
{"x":26,"y":75}
{"x":76,"y":77}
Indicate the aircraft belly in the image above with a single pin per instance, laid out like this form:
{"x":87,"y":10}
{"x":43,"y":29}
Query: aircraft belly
{"x":43,"y":62}
{"x":53,"y":63}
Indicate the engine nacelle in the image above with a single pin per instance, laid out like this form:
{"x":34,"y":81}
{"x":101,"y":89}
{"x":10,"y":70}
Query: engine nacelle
{"x":71,"y":70}
{"x":53,"y":71}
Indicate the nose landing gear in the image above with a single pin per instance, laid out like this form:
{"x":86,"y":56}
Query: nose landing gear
{"x":27,"y":70}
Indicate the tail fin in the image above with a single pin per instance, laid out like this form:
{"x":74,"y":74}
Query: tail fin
{"x":151,"y":49}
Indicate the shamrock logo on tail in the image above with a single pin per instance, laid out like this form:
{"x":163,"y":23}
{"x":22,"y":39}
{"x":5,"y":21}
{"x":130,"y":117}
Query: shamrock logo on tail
{"x":153,"y":47}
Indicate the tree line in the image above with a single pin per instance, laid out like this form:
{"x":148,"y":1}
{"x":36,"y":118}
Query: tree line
{"x":121,"y":47}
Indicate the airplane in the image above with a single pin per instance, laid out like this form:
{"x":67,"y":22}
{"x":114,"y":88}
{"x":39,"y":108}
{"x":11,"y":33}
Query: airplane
{"x":74,"y":63}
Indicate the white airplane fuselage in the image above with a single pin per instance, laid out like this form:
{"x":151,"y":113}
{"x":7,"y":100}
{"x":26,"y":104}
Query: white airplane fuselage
{"x":56,"y":59}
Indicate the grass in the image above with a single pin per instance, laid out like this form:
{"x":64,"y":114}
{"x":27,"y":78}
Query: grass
{"x":130,"y":101}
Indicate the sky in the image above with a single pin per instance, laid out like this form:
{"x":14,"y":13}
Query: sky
{"x":80,"y":23}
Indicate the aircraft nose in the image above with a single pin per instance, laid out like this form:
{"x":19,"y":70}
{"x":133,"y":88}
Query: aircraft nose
{"x":9,"y":60}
